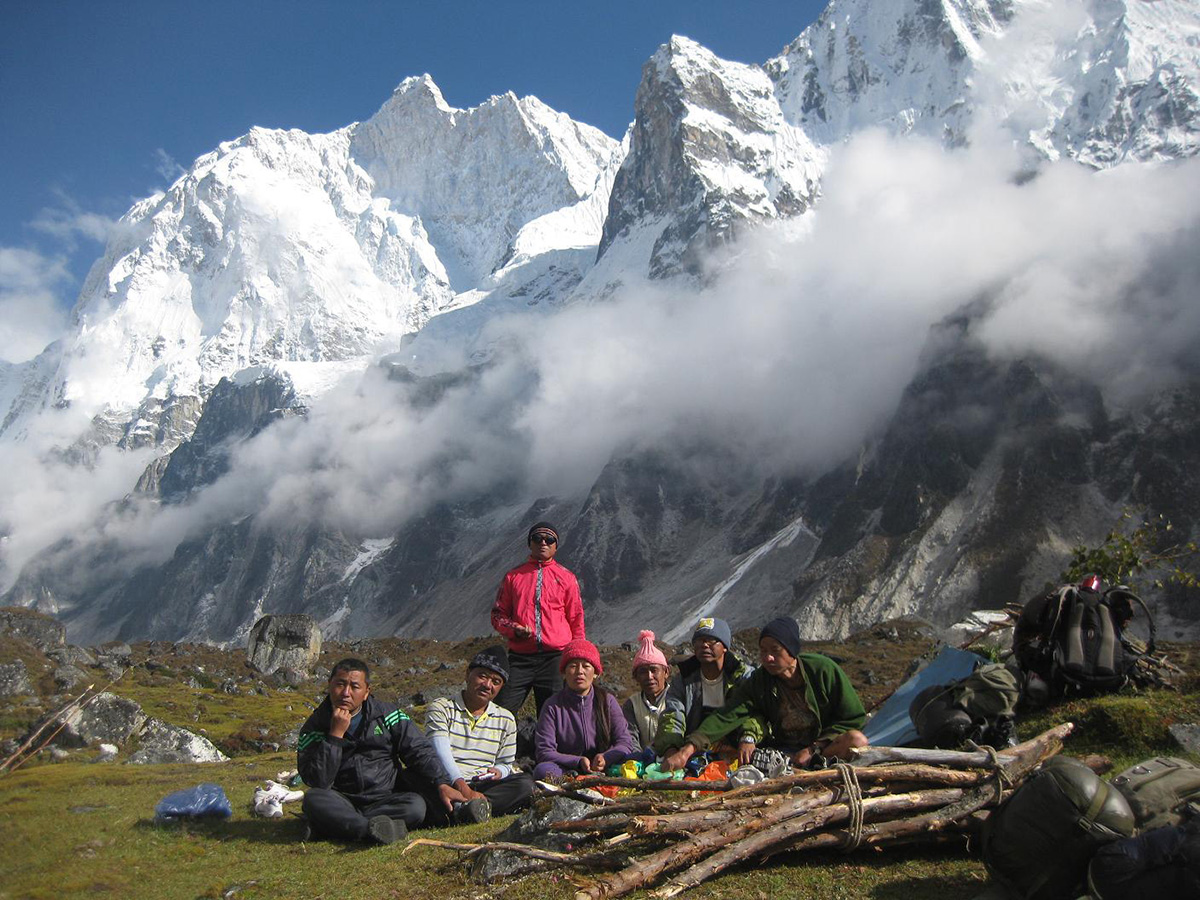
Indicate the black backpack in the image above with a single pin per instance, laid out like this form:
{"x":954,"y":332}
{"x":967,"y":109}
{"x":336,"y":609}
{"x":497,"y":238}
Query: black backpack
{"x":1072,"y":640}
{"x":1039,"y":841}
{"x":1163,"y":862}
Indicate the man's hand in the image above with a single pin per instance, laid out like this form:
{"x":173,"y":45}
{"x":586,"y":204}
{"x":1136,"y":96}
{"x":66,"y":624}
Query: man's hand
{"x":466,"y":790}
{"x":522,"y":631}
{"x":491,"y":774}
{"x":746,"y":752}
{"x":679,"y":758}
{"x":339,"y":722}
{"x":450,"y":796}
{"x":598,"y":764}
{"x":585,"y":765}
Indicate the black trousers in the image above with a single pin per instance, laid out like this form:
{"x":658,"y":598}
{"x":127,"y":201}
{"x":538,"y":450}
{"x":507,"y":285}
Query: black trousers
{"x":334,"y":815}
{"x":526,"y":671}
{"x":506,"y":795}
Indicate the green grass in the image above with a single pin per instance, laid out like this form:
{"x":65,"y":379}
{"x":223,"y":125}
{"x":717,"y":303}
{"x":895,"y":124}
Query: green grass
{"x":82,"y":830}
{"x":76,"y":829}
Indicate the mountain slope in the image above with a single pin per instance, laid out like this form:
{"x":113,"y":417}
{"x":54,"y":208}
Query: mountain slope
{"x":580,"y":354}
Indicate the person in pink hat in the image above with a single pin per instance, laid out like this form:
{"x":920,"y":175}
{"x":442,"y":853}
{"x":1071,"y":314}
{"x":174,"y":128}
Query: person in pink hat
{"x":580,"y":729}
{"x":643,"y":709}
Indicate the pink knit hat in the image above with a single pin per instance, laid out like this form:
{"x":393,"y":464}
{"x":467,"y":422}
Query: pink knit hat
{"x":581,"y":648}
{"x":648,"y":654}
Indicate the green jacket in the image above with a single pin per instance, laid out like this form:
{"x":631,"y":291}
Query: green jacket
{"x":685,"y":701}
{"x":827,"y":691}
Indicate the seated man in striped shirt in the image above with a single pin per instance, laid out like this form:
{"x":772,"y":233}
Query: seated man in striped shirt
{"x":476,"y":741}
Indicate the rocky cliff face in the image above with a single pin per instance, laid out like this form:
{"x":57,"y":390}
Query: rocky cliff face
{"x":304,"y":257}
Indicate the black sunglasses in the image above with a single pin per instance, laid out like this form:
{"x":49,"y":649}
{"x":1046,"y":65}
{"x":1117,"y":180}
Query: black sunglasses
{"x":543,"y":539}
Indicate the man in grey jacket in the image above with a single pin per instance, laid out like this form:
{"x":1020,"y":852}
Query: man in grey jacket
{"x":703,"y":683}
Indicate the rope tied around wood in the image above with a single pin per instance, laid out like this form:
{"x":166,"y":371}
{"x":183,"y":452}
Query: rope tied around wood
{"x":1003,"y":780}
{"x":854,"y":801}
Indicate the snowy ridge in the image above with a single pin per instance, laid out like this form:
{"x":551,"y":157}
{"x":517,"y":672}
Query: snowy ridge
{"x":290,"y":247}
{"x":1100,"y":81}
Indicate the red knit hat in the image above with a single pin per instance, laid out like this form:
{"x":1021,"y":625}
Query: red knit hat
{"x":647,"y":654}
{"x":580,"y":648}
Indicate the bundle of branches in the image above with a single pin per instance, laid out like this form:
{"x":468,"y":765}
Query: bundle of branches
{"x":888,"y":796}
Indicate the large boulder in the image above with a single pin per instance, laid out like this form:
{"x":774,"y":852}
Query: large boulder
{"x":277,"y":642}
{"x":71,"y":655}
{"x":14,"y":679}
{"x":40,"y":630}
{"x":106,"y":718}
{"x":161,"y":742}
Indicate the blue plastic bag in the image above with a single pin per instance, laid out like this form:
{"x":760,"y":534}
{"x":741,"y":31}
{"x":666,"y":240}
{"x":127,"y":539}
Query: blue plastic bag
{"x":202,"y":801}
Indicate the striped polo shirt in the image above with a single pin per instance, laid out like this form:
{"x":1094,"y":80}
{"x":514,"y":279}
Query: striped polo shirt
{"x":477,"y":742}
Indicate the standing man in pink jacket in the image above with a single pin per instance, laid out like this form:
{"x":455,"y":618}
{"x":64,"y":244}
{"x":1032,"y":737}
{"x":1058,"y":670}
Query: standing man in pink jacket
{"x":539,"y":610}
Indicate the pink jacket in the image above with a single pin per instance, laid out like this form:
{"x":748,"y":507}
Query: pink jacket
{"x":561,"y":609}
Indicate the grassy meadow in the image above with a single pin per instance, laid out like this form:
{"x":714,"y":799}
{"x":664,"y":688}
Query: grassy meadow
{"x":74,"y":828}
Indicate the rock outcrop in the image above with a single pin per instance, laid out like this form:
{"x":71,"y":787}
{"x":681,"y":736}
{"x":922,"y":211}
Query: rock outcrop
{"x":283,"y":642}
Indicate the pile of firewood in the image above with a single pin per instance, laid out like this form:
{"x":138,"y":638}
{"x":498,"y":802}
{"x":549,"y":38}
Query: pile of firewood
{"x":888,"y":796}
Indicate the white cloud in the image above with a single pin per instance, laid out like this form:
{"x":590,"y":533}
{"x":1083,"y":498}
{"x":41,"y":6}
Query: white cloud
{"x":30,"y":313}
{"x":794,"y":354}
{"x":166,"y":166}
{"x":67,"y":222}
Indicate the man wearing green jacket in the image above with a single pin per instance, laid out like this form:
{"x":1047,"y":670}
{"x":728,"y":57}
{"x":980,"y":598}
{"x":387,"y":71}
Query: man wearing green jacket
{"x":805,"y":699}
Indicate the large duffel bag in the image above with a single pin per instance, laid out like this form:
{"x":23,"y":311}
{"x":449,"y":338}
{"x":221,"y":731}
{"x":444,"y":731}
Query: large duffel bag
{"x":1038,"y":842}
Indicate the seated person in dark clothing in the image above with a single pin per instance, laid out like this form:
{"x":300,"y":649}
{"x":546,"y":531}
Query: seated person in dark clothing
{"x":349,"y":754}
{"x":476,"y":741}
{"x":805,"y":700}
{"x":705,"y":681}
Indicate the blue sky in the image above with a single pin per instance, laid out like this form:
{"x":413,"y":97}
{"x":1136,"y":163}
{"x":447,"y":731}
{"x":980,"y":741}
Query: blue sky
{"x":102,"y":102}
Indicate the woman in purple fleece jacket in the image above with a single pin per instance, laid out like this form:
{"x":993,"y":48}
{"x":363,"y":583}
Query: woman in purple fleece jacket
{"x":581,"y":728}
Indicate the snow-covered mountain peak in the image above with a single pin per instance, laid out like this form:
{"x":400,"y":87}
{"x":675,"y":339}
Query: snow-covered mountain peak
{"x":284,"y":246}
{"x":1100,"y":81}
{"x":710,"y":145}
{"x":419,"y":88}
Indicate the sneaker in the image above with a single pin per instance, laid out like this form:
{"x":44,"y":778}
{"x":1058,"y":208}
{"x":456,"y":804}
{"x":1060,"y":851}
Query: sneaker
{"x":386,"y":830}
{"x":1003,"y":734}
{"x":771,"y":762}
{"x":473,"y":811}
{"x":267,"y":805}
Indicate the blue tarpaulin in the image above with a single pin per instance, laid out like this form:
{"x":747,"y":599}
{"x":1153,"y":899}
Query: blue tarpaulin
{"x":891,"y":726}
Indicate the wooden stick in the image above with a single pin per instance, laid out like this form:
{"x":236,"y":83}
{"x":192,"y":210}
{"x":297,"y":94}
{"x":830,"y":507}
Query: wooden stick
{"x":64,"y":712}
{"x":643,"y":784}
{"x":618,"y":822}
{"x":640,"y":804}
{"x":707,"y":819}
{"x":958,"y":759}
{"x":959,"y":804}
{"x":789,"y":830}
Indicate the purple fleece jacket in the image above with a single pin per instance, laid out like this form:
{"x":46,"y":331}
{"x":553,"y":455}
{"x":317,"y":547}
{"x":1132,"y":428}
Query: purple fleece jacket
{"x":566,"y":731}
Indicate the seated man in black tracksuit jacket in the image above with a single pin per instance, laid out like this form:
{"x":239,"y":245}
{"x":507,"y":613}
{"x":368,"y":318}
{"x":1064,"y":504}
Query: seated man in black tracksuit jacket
{"x":349,"y":753}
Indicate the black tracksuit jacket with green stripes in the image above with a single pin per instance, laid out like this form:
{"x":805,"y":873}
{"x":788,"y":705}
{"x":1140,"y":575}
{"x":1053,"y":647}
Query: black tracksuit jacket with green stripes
{"x":363,"y":765}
